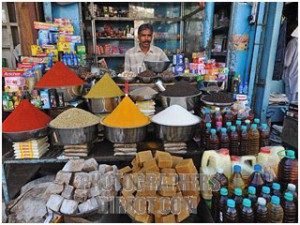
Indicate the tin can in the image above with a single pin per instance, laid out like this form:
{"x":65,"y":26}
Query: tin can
{"x":179,"y":69}
{"x":53,"y":36}
{"x":179,"y":59}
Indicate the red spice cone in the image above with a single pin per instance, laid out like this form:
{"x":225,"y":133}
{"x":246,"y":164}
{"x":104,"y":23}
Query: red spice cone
{"x":59,"y":76}
{"x":25,"y":117}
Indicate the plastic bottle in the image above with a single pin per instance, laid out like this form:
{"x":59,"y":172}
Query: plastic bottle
{"x":292,"y":189}
{"x":245,"y":142}
{"x":228,"y":126}
{"x":241,"y":88}
{"x":257,"y":122}
{"x":206,"y":135}
{"x":254,"y":140}
{"x":218,"y":128}
{"x":228,"y":116}
{"x":215,"y":205}
{"x":222,"y":204}
{"x":238,"y":125}
{"x":264,"y":135}
{"x":224,"y":139}
{"x":213,"y":141}
{"x":269,"y":175}
{"x":238,"y":198}
{"x":265,"y":193}
{"x":288,"y":169}
{"x":246,"y":162}
{"x":206,"y":118}
{"x":248,"y":124}
{"x":252,"y":194}
{"x":275,"y":211}
{"x":236,"y":180}
{"x":234,"y":143}
{"x":289,"y":208}
{"x":231,"y":215}
{"x":245,"y":88}
{"x":217,"y":116}
{"x":269,"y":157}
{"x":256,"y":179}
{"x":261,"y":212}
{"x":235,"y":84}
{"x":276,"y":189}
{"x":247,"y":215}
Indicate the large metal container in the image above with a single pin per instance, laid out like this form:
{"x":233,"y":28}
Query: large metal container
{"x":26,"y":135}
{"x":175,"y":133}
{"x":187,"y":102}
{"x":125,"y":135}
{"x":70,"y":93}
{"x":74,"y":136}
{"x":157,"y":66}
{"x":103,"y":105}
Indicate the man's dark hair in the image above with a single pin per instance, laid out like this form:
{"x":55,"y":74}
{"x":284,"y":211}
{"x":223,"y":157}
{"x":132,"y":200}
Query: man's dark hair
{"x":145,"y":26}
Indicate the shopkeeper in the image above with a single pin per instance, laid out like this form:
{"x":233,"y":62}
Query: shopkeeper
{"x":135,"y":57}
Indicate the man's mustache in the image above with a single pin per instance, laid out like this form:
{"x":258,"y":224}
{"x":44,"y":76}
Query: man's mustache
{"x":146,"y":42}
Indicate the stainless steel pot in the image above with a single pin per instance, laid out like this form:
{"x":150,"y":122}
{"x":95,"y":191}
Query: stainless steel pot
{"x":70,"y":93}
{"x":103,"y":105}
{"x":26,"y":135}
{"x":157,"y":66}
{"x":187,"y":102}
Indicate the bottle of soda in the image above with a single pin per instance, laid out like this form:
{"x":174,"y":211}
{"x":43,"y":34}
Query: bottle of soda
{"x":252,"y":194}
{"x":213,"y":141}
{"x":245,"y":142}
{"x":224,"y":139}
{"x":238,"y":198}
{"x":276,"y":189}
{"x":265,"y":193}
{"x":254,"y":140}
{"x":247,"y":215}
{"x":228,"y":126}
{"x":289,"y":208}
{"x":236,"y":180}
{"x":264,"y":135}
{"x":222,"y":204}
{"x":231,"y":215}
{"x":238,"y":125}
{"x":217,"y":116}
{"x":288,"y":169}
{"x":275,"y":211}
{"x":261,"y":211}
{"x":228,"y":116}
{"x":234,"y":142}
{"x":206,"y":135}
{"x":256,"y":179}
{"x":218,"y":128}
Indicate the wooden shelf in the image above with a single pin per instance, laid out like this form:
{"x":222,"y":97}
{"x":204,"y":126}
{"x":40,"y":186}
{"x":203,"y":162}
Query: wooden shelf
{"x":224,"y":54}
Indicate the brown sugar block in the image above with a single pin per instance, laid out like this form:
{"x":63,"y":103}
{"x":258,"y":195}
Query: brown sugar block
{"x":143,"y":218}
{"x":143,"y":156}
{"x":140,"y":205}
{"x":55,"y":188}
{"x":168,"y":170}
{"x":164,"y":161}
{"x":168,"y":179}
{"x":63,"y":177}
{"x":90,"y":165}
{"x":81,"y":195}
{"x":157,"y":218}
{"x":73,"y":165}
{"x":189,"y":188}
{"x":161,"y":153}
{"x":151,"y":166}
{"x":186,"y":166}
{"x":183,"y":214}
{"x":168,"y":219}
{"x":176,"y":160}
{"x":127,"y":193}
{"x":167,"y":192}
{"x":68,"y":192}
{"x":82,"y":180}
{"x":162,"y":206}
{"x":124,"y":170}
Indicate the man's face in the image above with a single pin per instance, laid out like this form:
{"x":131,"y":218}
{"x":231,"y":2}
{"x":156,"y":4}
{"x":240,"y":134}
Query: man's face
{"x":145,"y":38}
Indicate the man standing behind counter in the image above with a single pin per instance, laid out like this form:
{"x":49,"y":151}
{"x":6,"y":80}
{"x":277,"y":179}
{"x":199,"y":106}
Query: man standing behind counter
{"x":135,"y":57}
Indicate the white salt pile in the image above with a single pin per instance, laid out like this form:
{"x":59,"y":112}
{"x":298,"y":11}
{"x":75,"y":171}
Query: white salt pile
{"x":143,"y":91}
{"x":175,"y":115}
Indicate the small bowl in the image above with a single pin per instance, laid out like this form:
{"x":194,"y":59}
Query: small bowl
{"x":157,"y":66}
{"x":123,"y":79}
{"x":26,"y":135}
{"x":147,"y":79}
{"x":103,"y":105}
{"x":142,"y":97}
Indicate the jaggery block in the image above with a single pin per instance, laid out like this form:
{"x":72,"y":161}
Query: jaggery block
{"x":127,"y":193}
{"x":104,"y":168}
{"x":186,"y":166}
{"x":124,"y":170}
{"x":54,"y":188}
{"x":143,"y":156}
{"x":54,"y":202}
{"x":73,"y":165}
{"x":168,"y":170}
{"x":167,"y":190}
{"x":184,"y":213}
{"x":82,"y":180}
{"x":63,"y":177}
{"x":68,"y":192}
{"x":81,"y":195}
{"x":162,"y":206}
{"x":168,"y":219}
{"x":90,"y":204}
{"x":69,"y":207}
{"x":90,"y":165}
{"x":189,"y":188}
{"x":143,"y":218}
{"x":176,"y":160}
{"x":157,"y":218}
{"x":128,"y":184}
{"x":161,"y":153}
{"x":95,"y":176}
{"x":164,"y":161}
{"x":150,"y":166}
{"x":169,"y":179}
{"x":140,"y":205}
{"x":95,"y":190}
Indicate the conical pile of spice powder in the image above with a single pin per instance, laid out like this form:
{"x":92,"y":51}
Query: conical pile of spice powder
{"x":25,"y":117}
{"x":105,"y":88}
{"x":59,"y":76}
{"x":126,"y":115}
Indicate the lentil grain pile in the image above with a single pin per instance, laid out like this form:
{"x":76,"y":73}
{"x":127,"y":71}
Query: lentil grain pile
{"x":220,"y":97}
{"x":105,"y":88}
{"x":180,"y":89}
{"x":74,"y":118}
{"x":126,"y":115}
{"x":143,"y":91}
{"x":147,"y":73}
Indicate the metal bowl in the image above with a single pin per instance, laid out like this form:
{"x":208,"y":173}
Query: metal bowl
{"x":142,"y":97}
{"x":70,"y":93}
{"x":187,"y":102}
{"x":147,"y":79}
{"x":157,"y":66}
{"x":216,"y":103}
{"x":123,"y":79}
{"x":103,"y":105}
{"x":26,"y":135}
{"x":175,"y":133}
{"x":168,"y":79}
{"x":74,"y":136}
{"x":118,"y":135}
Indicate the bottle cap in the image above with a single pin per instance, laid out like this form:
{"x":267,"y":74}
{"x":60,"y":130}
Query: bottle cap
{"x":213,"y":131}
{"x":208,"y":125}
{"x":275,"y":200}
{"x":207,"y":111}
{"x":266,"y":189}
{"x":238,"y":122}
{"x":247,"y":121}
{"x":247,"y":202}
{"x":219,"y":124}
{"x":276,"y":186}
{"x":257,"y":168}
{"x":220,"y":170}
{"x":253,"y":126}
{"x":217,"y":109}
{"x":291,"y":187}
{"x":264,"y":126}
{"x":231,"y":203}
{"x":289,"y":196}
{"x":261,"y":201}
{"x":224,"y":191}
{"x":223,"y":130}
{"x":224,"y":151}
{"x":237,"y":168}
{"x":256,"y":120}
{"x":233,"y":128}
{"x":251,"y":190}
{"x":238,"y":191}
{"x":228,"y":124}
{"x":290,"y":154}
{"x":265,"y":150}
{"x":244,"y":128}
